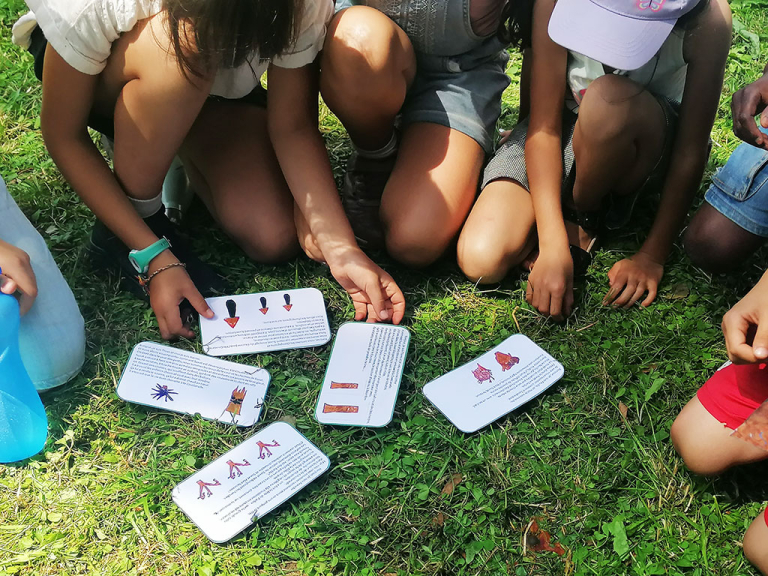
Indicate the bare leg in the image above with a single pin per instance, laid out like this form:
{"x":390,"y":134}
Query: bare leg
{"x":232,"y":166}
{"x":756,"y":544}
{"x":368,"y":64}
{"x":430,"y":192}
{"x":717,"y":244}
{"x":618,"y":139}
{"x":706,"y":445}
{"x":499,"y":233}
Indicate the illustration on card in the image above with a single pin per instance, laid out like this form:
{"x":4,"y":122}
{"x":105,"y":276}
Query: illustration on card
{"x":233,"y":318}
{"x":334,"y":409}
{"x":163,"y":392}
{"x":482,"y":374}
{"x":344,"y":385}
{"x":235,"y":405}
{"x":234,"y":468}
{"x":205,"y":490}
{"x":287,"y":305}
{"x":264,"y":448}
{"x":264,"y":308}
{"x":506,"y":361}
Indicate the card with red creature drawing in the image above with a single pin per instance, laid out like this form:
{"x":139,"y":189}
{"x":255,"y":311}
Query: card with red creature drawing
{"x":493,"y":385}
{"x":265,"y":322}
{"x":363,"y":375}
{"x":180,"y":381}
{"x":252,"y":479}
{"x":755,"y":428}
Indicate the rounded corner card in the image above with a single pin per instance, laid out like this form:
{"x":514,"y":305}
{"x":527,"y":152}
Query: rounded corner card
{"x":363,"y":376}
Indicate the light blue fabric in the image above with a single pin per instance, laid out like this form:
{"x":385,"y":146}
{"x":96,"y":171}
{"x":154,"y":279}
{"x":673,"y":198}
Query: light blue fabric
{"x":52,"y":333}
{"x":459,"y":76}
{"x":739,"y":190}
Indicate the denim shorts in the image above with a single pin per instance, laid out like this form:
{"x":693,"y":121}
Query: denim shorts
{"x":461,"y":91}
{"x":52,"y":333}
{"x":739,"y":190}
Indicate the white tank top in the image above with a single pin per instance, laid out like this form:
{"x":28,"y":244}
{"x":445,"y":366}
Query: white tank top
{"x":663,"y":75}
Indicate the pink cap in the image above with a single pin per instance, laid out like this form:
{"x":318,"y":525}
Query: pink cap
{"x":623,"y":34}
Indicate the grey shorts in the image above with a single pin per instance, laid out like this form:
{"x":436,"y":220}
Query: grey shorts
{"x":509,"y":159}
{"x":461,"y":92}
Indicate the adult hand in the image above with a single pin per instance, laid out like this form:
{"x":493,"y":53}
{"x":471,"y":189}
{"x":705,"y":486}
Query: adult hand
{"x":550,"y":284}
{"x":17,"y":275}
{"x":167,"y":290}
{"x":374,"y":293}
{"x":745,"y":326}
{"x":745,"y":105}
{"x":631,"y":278}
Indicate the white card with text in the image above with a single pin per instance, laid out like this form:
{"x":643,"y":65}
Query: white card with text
{"x":179,"y":381}
{"x":266,"y":322}
{"x":249,"y":481}
{"x":501,"y":380}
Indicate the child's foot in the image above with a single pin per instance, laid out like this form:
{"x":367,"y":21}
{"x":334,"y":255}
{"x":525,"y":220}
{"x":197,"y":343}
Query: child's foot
{"x":364,"y":184}
{"x":109,"y":252}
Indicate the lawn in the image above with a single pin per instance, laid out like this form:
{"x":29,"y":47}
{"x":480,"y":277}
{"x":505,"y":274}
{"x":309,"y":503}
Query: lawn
{"x":609,"y":488}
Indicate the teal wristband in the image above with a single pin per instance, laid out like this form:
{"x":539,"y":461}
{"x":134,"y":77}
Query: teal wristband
{"x":140,"y":259}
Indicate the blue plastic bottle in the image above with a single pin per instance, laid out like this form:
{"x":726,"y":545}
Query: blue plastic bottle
{"x":23,"y":423}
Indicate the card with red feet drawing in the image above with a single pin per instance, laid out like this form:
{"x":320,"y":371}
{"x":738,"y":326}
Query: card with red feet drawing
{"x":249,"y":481}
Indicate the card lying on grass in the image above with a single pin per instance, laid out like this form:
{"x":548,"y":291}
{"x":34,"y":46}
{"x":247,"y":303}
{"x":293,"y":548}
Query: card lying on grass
{"x":363,"y":375}
{"x":180,"y":381}
{"x":266,"y":322}
{"x":755,"y":428}
{"x":482,"y":391}
{"x":249,"y":481}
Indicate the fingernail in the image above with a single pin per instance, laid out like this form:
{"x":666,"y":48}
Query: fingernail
{"x":384,"y":315}
{"x":761,"y":352}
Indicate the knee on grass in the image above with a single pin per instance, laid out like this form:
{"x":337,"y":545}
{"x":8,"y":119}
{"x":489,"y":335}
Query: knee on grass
{"x":269,"y":245}
{"x":415,"y":244}
{"x":697,"y":458}
{"x":483,"y":260}
{"x":713,"y":248}
{"x":756,"y":544}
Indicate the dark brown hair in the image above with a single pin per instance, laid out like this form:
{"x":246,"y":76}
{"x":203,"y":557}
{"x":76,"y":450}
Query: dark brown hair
{"x":207,"y":34}
{"x":516,"y":26}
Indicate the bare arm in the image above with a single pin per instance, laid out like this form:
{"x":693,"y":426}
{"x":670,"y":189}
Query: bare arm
{"x":550,"y":285}
{"x":292,"y":121}
{"x":706,"y":50}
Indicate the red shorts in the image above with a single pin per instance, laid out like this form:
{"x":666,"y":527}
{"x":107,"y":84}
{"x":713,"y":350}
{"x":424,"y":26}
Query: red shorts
{"x":734,"y":392}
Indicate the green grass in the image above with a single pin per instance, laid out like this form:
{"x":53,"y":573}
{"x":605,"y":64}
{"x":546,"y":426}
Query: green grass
{"x":611,"y":491}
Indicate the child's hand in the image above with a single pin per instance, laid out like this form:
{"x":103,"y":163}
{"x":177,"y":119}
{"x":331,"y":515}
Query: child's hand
{"x":745,"y":105}
{"x":17,"y":275}
{"x":631,"y":278}
{"x":166,"y":291}
{"x":745,"y":326}
{"x":374,"y":293}
{"x":550,"y":284}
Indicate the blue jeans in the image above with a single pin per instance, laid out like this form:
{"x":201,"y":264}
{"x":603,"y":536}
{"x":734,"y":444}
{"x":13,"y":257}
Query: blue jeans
{"x":739,"y":190}
{"x":52,"y":333}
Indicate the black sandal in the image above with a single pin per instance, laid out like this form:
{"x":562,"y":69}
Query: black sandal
{"x":590,"y":223}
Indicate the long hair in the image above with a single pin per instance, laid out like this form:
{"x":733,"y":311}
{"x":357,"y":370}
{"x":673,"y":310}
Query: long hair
{"x":516,"y":28}
{"x":207,"y":34}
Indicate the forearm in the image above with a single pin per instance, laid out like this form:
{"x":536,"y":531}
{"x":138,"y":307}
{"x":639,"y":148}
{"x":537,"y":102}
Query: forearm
{"x":304,"y":161}
{"x":84,"y":168}
{"x":680,"y":186}
{"x":545,"y":176}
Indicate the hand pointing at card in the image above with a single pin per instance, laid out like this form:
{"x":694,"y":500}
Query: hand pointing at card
{"x":374,"y":293}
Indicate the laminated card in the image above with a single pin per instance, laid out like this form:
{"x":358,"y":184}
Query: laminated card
{"x":266,"y":322}
{"x":180,"y":381}
{"x":249,"y":481}
{"x":482,"y":391}
{"x":363,"y":375}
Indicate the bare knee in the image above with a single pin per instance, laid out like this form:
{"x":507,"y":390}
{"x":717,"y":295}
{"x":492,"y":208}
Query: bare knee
{"x":715,"y":244}
{"x":484,"y":260}
{"x":697,"y":459}
{"x":269,"y":244}
{"x":413,"y":244}
{"x":606,"y":110}
{"x":756,"y":544}
{"x":366,"y":58}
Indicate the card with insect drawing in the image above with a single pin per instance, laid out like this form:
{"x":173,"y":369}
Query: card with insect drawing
{"x":492,"y":385}
{"x":265,"y":322}
{"x":363,"y":376}
{"x":249,"y":481}
{"x":180,"y":381}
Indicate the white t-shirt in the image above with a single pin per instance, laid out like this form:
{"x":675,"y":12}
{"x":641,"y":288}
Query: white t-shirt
{"x":82,"y":32}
